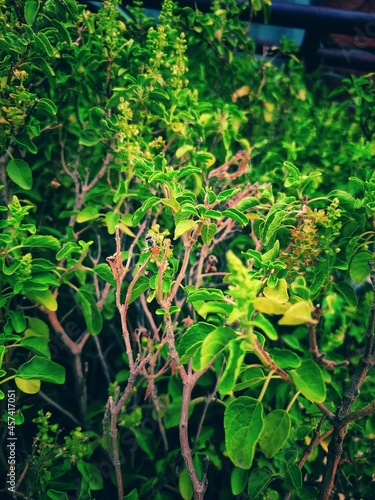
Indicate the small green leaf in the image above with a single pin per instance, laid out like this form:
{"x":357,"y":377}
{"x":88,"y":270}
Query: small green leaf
{"x":38,"y":241}
{"x":142,"y":211}
{"x":36,"y":344}
{"x":262,"y":323}
{"x":112,"y":219}
{"x":42,"y":369}
{"x":18,"y":320}
{"x":238,"y":480}
{"x":45,"y":298}
{"x":243,"y":424}
{"x":43,"y":42}
{"x":308,"y":379}
{"x":275,"y":432}
{"x":272,"y":225}
{"x":214,"y":343}
{"x":140,"y":287}
{"x":347,"y":292}
{"x":285,"y":358}
{"x":293,"y":479}
{"x":184,"y":485}
{"x":183,"y":150}
{"x":192,"y":339}
{"x":30,"y":11}
{"x":359,"y":268}
{"x":91,"y":313}
{"x":47,"y":106}
{"x":208,"y":232}
{"x":104,"y":271}
{"x":236,"y":215}
{"x":232,"y":367}
{"x":68,"y":249}
{"x":184,"y":227}
{"x":228,"y":193}
{"x":88,"y":213}
{"x":206,"y":294}
{"x":24,"y":140}
{"x":258,"y":481}
{"x":92,"y":474}
{"x":20,"y":173}
{"x":171,"y":203}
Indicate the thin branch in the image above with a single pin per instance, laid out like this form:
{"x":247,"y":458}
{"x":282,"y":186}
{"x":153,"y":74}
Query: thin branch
{"x":60,"y":408}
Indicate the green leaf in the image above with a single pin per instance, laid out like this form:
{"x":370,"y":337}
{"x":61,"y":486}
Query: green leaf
{"x":247,"y":203}
{"x":192,"y":339}
{"x":30,"y":11}
{"x":88,"y":213}
{"x":359,"y":268}
{"x":47,"y":106}
{"x":213,"y":307}
{"x":43,"y":42}
{"x":20,"y":173}
{"x":278,"y":292}
{"x":141,"y":211}
{"x":293,"y":479}
{"x":271,"y":225}
{"x":184,"y":485}
{"x":43,"y":297}
{"x":133,"y":495}
{"x":263,"y":324}
{"x":36,"y":344}
{"x":18,"y":320}
{"x":184,"y":227}
{"x":104,"y":271}
{"x":285,"y":358}
{"x":243,"y":424}
{"x":347,"y":292}
{"x":206,"y":294}
{"x":258,"y":481}
{"x":112,"y":219}
{"x":214,"y":343}
{"x":236,"y":215}
{"x":24,"y":140}
{"x":232,"y":367}
{"x":68,"y":249}
{"x":228,"y":193}
{"x":208,"y":232}
{"x":92,"y":474}
{"x":183,"y":150}
{"x":275,"y":432}
{"x":298,"y":314}
{"x":140,"y":287}
{"x":171,"y":203}
{"x":308,"y":379}
{"x":38,"y":241}
{"x":42,"y":369}
{"x":91,"y":313}
{"x":238,"y":480}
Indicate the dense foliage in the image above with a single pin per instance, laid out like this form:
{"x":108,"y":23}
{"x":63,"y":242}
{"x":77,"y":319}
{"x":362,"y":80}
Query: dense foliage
{"x":187,"y":290}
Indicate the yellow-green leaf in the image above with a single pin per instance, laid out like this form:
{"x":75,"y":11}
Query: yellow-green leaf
{"x":28,"y":386}
{"x":298,"y":314}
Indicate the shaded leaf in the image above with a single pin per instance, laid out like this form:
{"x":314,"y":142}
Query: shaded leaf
{"x":275,"y":432}
{"x":20,"y":173}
